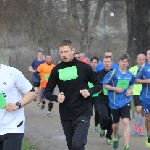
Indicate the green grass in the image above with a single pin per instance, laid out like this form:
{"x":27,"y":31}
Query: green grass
{"x":27,"y":145}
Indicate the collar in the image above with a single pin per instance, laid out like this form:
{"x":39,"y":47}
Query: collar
{"x":71,"y":63}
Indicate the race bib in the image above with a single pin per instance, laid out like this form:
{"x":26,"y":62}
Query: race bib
{"x":105,"y":91}
{"x":2,"y":101}
{"x":47,"y":76}
{"x":123,"y":84}
{"x":68,"y":73}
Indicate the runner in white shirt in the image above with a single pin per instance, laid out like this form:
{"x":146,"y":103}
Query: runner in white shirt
{"x":12,"y":85}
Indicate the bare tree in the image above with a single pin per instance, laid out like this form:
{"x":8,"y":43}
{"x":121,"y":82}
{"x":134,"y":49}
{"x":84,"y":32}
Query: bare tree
{"x":138,"y":27}
{"x":86,"y":31}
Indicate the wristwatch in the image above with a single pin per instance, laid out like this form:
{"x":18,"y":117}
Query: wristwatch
{"x":18,"y":104}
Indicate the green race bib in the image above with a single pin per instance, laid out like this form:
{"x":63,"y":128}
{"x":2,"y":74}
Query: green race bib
{"x":123,"y":84}
{"x":90,"y":85}
{"x":68,"y":73}
{"x":105,"y":91}
{"x":2,"y":101}
{"x":47,"y":76}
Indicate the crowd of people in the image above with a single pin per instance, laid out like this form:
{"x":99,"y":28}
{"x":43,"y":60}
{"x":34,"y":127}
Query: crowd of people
{"x":117,"y":83}
{"x":83,"y":83}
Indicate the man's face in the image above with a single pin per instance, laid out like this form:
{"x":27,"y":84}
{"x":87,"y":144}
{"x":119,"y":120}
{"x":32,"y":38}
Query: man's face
{"x":82,"y":55}
{"x":148,"y":55}
{"x":48,"y":59}
{"x":140,"y":59}
{"x":40,"y":55}
{"x":66,"y":53}
{"x":77,"y":56}
{"x":107,"y":63}
{"x":123,"y":64}
{"x":94,"y":64}
{"x":109,"y":54}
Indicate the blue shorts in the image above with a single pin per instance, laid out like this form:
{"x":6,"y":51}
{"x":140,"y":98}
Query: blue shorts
{"x":146,"y":106}
{"x":42,"y":91}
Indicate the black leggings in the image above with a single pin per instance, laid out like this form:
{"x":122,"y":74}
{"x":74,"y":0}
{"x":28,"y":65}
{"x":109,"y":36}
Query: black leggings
{"x":105,"y":118}
{"x":76,"y":132}
{"x":97,"y":114}
{"x":11,"y":141}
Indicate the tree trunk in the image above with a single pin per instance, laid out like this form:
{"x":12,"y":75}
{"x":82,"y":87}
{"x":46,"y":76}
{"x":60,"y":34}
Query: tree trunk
{"x":84,"y":32}
{"x":137,"y":23}
{"x":100,"y":4}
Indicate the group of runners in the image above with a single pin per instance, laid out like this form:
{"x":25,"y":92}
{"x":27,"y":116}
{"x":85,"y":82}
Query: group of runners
{"x":110,"y":90}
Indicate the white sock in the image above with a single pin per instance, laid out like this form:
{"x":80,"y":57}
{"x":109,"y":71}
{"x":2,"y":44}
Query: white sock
{"x":141,"y":121}
{"x":137,"y":119}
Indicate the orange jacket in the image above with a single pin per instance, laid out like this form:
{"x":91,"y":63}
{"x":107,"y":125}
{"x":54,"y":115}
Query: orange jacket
{"x":45,"y":71}
{"x":84,"y":60}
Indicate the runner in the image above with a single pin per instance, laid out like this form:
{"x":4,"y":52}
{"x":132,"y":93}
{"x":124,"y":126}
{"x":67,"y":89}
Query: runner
{"x":83,"y":59}
{"x":72,"y":77}
{"x":139,"y":118}
{"x":33,"y":68}
{"x":119,"y":84}
{"x":103,"y":104}
{"x":83,"y":56}
{"x":77,"y":56}
{"x":94,"y":62}
{"x":143,"y":77}
{"x":100,"y":65}
{"x":13,"y":85}
{"x":44,"y":70}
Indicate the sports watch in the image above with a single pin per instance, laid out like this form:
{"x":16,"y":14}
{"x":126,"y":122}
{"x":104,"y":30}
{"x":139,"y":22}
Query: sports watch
{"x":18,"y":104}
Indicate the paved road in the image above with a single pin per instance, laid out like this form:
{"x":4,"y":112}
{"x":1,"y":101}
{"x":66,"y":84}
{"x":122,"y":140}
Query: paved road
{"x":47,"y":133}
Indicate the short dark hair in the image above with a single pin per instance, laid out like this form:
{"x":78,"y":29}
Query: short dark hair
{"x":65,"y":43}
{"x":147,"y":48}
{"x":77,"y":53}
{"x":94,"y":58}
{"x":48,"y":55}
{"x":108,"y":57}
{"x":40,"y":51}
{"x":124,"y":56}
{"x":108,"y":51}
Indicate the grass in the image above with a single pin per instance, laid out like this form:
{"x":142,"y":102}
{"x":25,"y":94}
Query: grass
{"x":27,"y":145}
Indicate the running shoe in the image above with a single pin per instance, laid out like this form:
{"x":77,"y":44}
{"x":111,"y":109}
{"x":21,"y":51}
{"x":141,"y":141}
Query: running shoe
{"x":48,"y":114}
{"x":116,"y":142}
{"x":147,"y":141}
{"x":38,"y":105}
{"x":42,"y":106}
{"x":126,"y":147}
{"x":96,"y":129}
{"x":108,"y":141}
{"x":102,"y":133}
{"x":136,"y":130}
{"x":141,"y":132}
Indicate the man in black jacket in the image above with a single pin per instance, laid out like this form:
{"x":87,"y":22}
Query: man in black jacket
{"x":72,"y":77}
{"x":103,"y":103}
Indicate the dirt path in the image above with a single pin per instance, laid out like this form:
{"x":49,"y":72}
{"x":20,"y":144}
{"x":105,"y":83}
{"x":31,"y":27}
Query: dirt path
{"x":47,"y":133}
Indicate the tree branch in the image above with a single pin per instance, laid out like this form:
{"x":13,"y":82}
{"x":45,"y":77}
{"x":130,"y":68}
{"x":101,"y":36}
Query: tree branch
{"x":75,"y":15}
{"x":81,"y":3}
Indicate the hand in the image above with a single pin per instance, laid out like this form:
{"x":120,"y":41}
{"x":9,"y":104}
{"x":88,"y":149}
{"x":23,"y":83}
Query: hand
{"x":128,"y":93}
{"x":119,"y":90}
{"x":85,"y":93}
{"x":61,"y":97}
{"x":41,"y":81}
{"x":34,"y":71}
{"x":11,"y":107}
{"x":148,"y":80}
{"x":100,"y":91}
